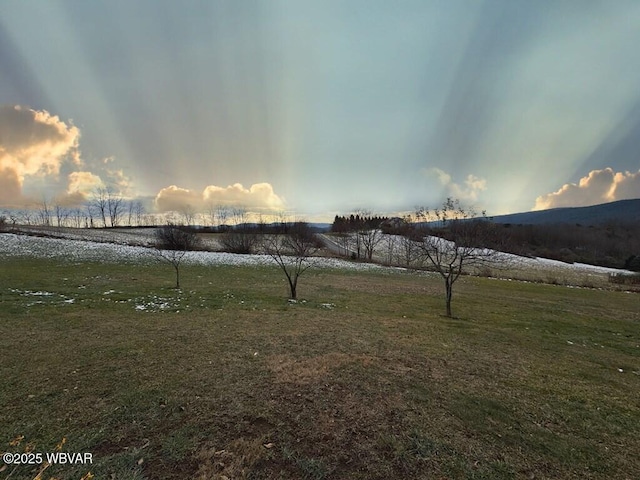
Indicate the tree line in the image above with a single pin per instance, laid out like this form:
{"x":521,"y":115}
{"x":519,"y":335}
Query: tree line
{"x":613,"y":244}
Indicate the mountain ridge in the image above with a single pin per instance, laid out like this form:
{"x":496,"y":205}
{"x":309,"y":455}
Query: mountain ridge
{"x":618,"y":211}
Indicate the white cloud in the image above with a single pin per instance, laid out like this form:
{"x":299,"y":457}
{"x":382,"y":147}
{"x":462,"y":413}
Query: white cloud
{"x":259,"y":196}
{"x":599,"y":186}
{"x":468,"y":191}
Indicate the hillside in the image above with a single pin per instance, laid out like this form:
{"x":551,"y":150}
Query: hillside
{"x":622,"y":211}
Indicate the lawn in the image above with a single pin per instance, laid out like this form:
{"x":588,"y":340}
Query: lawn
{"x":364,"y":378}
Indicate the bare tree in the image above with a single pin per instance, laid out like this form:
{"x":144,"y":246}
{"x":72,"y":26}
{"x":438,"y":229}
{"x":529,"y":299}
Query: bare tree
{"x":90,"y":207}
{"x":410,"y":239}
{"x":370,"y":238}
{"x":77,"y":217}
{"x":241,"y":237}
{"x":62,"y":214}
{"x":390,"y":244}
{"x":459,"y":245}
{"x":44,"y":213}
{"x":368,"y":235}
{"x":216,"y":215}
{"x":115,"y":207}
{"x":138,"y":209}
{"x":292,"y":252}
{"x":188,"y":214}
{"x":172,"y":244}
{"x":130,"y":211}
{"x":99,"y":204}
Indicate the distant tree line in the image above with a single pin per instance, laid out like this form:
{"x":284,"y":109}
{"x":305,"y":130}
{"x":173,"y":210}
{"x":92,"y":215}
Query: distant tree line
{"x":356,"y":222}
{"x":613,"y":244}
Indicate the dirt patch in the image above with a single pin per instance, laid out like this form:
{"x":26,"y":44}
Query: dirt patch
{"x":307,"y":370}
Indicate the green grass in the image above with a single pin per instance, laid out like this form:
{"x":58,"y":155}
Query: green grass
{"x":365,"y":379}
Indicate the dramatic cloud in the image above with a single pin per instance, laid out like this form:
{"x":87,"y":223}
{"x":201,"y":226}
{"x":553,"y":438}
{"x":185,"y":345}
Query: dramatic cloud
{"x":259,"y":196}
{"x":35,"y":142}
{"x":468,"y":192}
{"x":599,"y":186}
{"x":32,"y":143}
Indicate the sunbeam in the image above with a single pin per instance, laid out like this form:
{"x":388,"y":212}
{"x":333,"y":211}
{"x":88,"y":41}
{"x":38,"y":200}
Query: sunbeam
{"x":335,"y":105}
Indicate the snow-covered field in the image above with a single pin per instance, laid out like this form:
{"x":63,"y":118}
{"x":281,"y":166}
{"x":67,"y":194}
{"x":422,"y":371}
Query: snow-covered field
{"x":83,"y":250}
{"x":117,"y":246}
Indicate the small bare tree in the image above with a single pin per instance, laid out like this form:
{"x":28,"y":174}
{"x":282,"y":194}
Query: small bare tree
{"x":459,"y":245}
{"x":76,"y":216}
{"x":99,"y":206}
{"x":44,"y":213}
{"x":188,"y":213}
{"x":172,"y":244}
{"x":62,"y":215}
{"x":115,"y":205}
{"x":241,"y":237}
{"x":292,"y":251}
{"x":370,"y":238}
{"x":138,"y":210}
{"x":410,"y":239}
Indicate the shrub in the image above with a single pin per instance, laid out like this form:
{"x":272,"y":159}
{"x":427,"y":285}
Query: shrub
{"x":625,"y":278}
{"x":240,"y":240}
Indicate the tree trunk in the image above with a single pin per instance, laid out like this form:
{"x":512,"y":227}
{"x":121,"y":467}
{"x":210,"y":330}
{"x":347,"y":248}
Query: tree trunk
{"x":449,"y":290}
{"x":177,"y":276}
{"x":293,"y":288}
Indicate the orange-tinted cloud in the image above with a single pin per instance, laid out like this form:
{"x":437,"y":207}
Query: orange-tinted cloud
{"x":174,"y":198}
{"x":10,"y":188}
{"x":259,"y":196}
{"x":80,"y":186}
{"x":599,"y":186}
{"x":32,"y":143}
{"x":83,"y":182}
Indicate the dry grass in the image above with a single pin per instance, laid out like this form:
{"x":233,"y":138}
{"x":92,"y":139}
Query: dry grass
{"x":366,"y":379}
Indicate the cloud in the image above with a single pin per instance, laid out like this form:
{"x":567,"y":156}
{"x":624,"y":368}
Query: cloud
{"x":260,"y":196}
{"x":10,"y":188}
{"x":468,"y":191}
{"x":599,"y":186}
{"x":80,"y":185}
{"x":32,"y":143}
{"x":174,"y":198}
{"x":83,"y":182}
{"x":35,"y":142}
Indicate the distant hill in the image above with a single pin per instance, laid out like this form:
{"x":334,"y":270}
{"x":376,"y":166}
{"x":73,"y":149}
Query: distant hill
{"x":620,"y":211}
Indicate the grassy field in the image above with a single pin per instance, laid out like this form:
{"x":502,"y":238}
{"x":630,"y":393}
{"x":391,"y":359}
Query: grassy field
{"x":366,"y":379}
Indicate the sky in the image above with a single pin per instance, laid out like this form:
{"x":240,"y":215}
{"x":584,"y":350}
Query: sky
{"x":320,"y":107}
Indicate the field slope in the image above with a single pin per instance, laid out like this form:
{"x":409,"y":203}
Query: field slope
{"x":365,"y":379}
